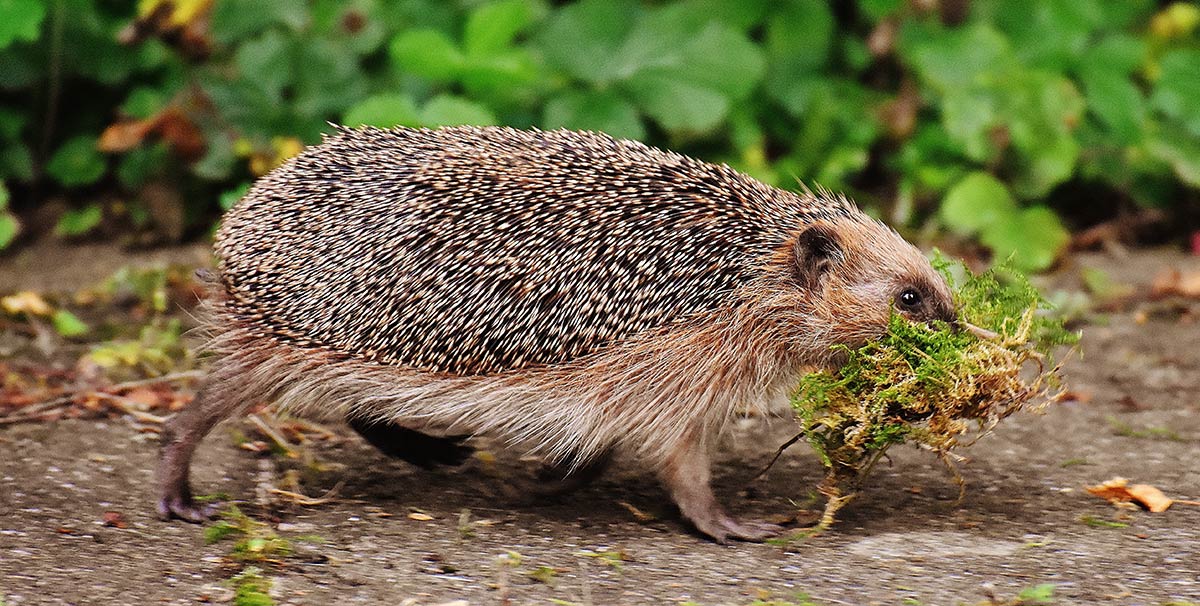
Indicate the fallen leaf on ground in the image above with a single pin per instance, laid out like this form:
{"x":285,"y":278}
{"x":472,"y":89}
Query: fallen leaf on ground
{"x":114,"y":519}
{"x":1172,"y":281}
{"x":26,"y":302}
{"x":420,"y":517}
{"x":1082,"y":396}
{"x":1119,"y":490}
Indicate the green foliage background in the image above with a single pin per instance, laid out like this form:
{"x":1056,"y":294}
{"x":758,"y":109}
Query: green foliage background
{"x":987,"y":119}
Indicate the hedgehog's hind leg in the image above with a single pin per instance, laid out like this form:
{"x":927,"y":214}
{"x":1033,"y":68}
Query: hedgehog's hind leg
{"x":181,"y":435}
{"x":420,"y":449}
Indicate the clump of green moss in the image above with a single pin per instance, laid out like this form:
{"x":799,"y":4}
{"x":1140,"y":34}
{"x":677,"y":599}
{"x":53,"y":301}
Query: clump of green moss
{"x":930,"y":385}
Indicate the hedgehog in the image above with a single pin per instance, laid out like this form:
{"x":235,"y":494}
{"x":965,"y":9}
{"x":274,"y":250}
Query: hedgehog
{"x":575,"y":295}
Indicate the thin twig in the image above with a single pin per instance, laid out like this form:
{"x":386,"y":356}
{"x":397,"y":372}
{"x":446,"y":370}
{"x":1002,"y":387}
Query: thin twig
{"x":54,"y":81}
{"x":305,"y":500}
{"x":13,"y":420}
{"x":778,"y":453}
{"x":169,"y":377}
{"x":129,"y":407}
{"x":273,"y":435}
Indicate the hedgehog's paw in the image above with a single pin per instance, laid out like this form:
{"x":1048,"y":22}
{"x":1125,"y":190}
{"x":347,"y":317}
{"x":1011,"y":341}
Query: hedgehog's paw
{"x":721,"y":527}
{"x":178,"y":503}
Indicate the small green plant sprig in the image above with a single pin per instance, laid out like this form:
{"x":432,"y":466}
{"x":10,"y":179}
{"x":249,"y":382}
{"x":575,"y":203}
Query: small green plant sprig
{"x":931,"y":384}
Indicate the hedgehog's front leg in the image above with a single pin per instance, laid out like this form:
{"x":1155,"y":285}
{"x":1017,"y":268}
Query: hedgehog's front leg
{"x":686,"y":474}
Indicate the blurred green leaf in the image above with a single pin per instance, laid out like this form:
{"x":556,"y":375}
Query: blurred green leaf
{"x":449,"y":110}
{"x":1177,"y":92}
{"x":143,"y":102}
{"x":358,"y":25}
{"x":742,"y":15}
{"x":265,"y":63}
{"x":1125,"y":14}
{"x":141,"y":164}
{"x":685,"y":78}
{"x":16,"y":162}
{"x":799,"y":38}
{"x":601,"y":111}
{"x":1182,"y":152}
{"x":500,"y":78}
{"x":1042,"y":111}
{"x":324,"y":83}
{"x":427,"y":53}
{"x":1038,"y":595}
{"x":876,"y":10}
{"x":1049,"y":33}
{"x":955,"y":59}
{"x":678,"y":66}
{"x":68,"y":324}
{"x":20,"y":20}
{"x":235,"y":20}
{"x":679,"y":105}
{"x":11,"y":123}
{"x":1045,"y":164}
{"x":383,"y":110}
{"x":218,"y":160}
{"x":77,"y":162}
{"x":231,"y":196}
{"x":1117,"y":53}
{"x":721,"y":58}
{"x":78,"y":222}
{"x":1033,"y":238}
{"x":9,"y":228}
{"x":492,"y":27}
{"x":976,"y":203}
{"x":1117,"y":103}
{"x":582,"y":38}
{"x":969,"y":117}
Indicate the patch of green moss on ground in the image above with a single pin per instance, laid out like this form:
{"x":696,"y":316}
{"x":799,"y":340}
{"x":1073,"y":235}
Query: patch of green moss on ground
{"x":930,"y":384}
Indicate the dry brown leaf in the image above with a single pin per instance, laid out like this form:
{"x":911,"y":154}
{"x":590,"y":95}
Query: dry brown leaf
{"x":1082,"y":396}
{"x":1150,"y":497}
{"x":171,"y":125}
{"x":420,"y":517}
{"x":144,"y":397}
{"x":183,"y":24}
{"x":124,"y":135}
{"x":26,"y":302}
{"x":1173,"y":282}
{"x":114,"y":519}
{"x":181,"y":133}
{"x":1118,"y":490}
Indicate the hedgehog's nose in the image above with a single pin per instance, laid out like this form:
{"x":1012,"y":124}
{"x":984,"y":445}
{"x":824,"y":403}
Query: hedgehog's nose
{"x":946,"y":313}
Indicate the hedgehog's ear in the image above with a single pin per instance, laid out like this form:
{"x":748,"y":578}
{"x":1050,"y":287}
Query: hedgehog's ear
{"x":815,"y":251}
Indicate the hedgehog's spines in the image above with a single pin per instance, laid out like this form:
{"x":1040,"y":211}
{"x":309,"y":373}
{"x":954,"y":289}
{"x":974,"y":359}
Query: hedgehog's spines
{"x":475,"y":250}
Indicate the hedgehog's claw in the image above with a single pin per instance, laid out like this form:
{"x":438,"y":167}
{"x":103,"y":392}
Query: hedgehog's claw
{"x":180,"y":504}
{"x":721,"y":527}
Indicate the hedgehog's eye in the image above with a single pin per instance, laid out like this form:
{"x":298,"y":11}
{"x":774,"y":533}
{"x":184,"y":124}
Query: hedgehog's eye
{"x":909,"y":299}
